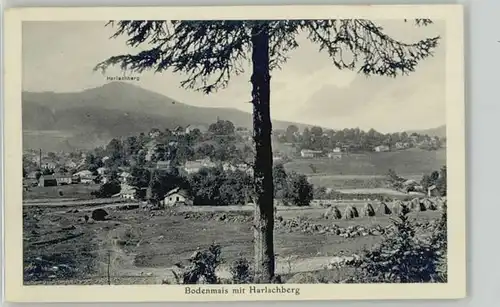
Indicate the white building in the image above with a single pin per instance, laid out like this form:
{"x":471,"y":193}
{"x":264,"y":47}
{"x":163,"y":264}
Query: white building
{"x":177,"y":196}
{"x":334,"y":155}
{"x":124,"y":177}
{"x":102,"y":171}
{"x":127,"y":191}
{"x":85,"y":174}
{"x":382,"y":148}
{"x":70,"y":164}
{"x":49,"y":165}
{"x":179,"y":131}
{"x":191,"y":128}
{"x":307,"y":153}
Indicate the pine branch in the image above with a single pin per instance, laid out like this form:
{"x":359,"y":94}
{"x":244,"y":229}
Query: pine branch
{"x":353,"y":41}
{"x":208,"y":53}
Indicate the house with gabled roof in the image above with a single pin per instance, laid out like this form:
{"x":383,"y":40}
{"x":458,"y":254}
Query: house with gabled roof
{"x":177,"y":197}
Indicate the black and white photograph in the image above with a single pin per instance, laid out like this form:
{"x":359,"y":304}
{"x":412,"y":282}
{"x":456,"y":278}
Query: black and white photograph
{"x":255,"y":155}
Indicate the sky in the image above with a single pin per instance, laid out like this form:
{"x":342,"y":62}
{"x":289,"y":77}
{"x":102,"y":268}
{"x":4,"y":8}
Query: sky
{"x":59,"y":56}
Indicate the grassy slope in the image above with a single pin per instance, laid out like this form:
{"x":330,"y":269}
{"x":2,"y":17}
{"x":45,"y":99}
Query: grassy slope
{"x":408,"y":162}
{"x":74,"y":191}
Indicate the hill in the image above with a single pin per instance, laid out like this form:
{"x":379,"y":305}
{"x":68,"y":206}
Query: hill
{"x":83,"y":120}
{"x":438,"y":131}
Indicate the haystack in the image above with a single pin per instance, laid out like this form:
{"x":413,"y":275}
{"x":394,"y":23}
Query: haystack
{"x":351,"y":212}
{"x":333,"y":213}
{"x":415,"y":204}
{"x":397,"y":206}
{"x":421,"y":207}
{"x":431,"y":204}
{"x":368,"y":210}
{"x":384,"y":209}
{"x":356,"y":213}
{"x":328,"y":213}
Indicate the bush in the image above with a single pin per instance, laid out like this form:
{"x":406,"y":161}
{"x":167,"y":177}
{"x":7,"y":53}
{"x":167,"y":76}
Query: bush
{"x":241,"y":272}
{"x":203,"y":266}
{"x":107,"y":190}
{"x":216,"y":187}
{"x":403,"y":258}
{"x":440,"y":243}
{"x":301,"y":192}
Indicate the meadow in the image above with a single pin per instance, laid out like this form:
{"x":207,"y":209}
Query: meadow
{"x":59,"y":193}
{"x":141,"y":246}
{"x":411,"y":162}
{"x":368,"y":170}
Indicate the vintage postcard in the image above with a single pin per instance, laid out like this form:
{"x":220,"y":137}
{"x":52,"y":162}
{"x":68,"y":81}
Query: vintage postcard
{"x":234,"y":153}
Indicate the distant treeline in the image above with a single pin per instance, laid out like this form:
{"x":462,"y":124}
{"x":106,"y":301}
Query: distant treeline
{"x":317,"y":138}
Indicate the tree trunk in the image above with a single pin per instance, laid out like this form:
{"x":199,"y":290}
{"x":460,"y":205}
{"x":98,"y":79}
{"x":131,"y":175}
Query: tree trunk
{"x":263,"y":176}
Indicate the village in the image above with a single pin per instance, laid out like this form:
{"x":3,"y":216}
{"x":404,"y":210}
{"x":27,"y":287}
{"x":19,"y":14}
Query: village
{"x":194,"y":148}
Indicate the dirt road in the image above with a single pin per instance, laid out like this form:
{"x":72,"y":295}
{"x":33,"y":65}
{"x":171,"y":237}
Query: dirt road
{"x":283,"y":267}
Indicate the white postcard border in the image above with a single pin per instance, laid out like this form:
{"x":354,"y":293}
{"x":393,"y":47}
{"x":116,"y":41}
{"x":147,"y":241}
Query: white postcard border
{"x":455,"y":100}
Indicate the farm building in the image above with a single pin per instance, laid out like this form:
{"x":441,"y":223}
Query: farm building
{"x":382,"y":148}
{"x":127,"y":192}
{"x":102,"y":170}
{"x":334,"y":155}
{"x":191,"y":128}
{"x":177,"y":196}
{"x":308,"y":153}
{"x":179,"y":131}
{"x":84,"y":174}
{"x":49,"y":165}
{"x":47,"y":181}
{"x":124,"y":177}
{"x":88,"y":180}
{"x":63,"y":179}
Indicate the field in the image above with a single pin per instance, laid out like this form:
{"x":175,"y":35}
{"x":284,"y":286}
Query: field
{"x":405,"y":162}
{"x":142,"y":246}
{"x":69,"y":192}
{"x":368,"y":170}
